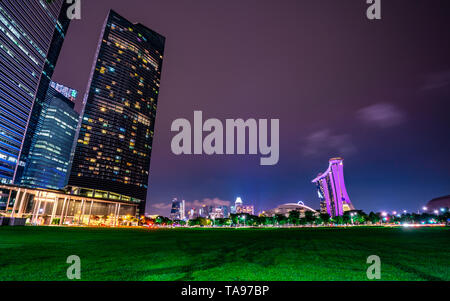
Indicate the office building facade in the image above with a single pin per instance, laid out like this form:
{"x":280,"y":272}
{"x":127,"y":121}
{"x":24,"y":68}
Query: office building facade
{"x":112,"y":155}
{"x":52,"y":144}
{"x":31,"y":37}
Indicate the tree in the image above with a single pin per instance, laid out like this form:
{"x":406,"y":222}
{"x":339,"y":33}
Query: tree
{"x":280,"y":219}
{"x":339,"y":220}
{"x":325,"y":218}
{"x":294,"y":217}
{"x":162,"y":220}
{"x":347,"y":218}
{"x":361,"y":218}
{"x":302,"y":221}
{"x":373,"y":217}
{"x":310,"y":217}
{"x":234,"y":219}
{"x":267,"y":220}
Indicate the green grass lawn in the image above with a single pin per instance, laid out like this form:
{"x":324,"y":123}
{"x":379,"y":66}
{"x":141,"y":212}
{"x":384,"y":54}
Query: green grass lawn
{"x":40,"y":253}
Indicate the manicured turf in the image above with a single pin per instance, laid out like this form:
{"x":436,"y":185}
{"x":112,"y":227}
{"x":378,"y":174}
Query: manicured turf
{"x":40,"y":253}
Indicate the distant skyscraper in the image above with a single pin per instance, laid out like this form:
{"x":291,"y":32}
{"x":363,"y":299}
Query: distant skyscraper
{"x":203,"y":211}
{"x":52,"y":144}
{"x":31,"y":37}
{"x":331,"y":189}
{"x":219,"y":212}
{"x":112,"y":157}
{"x":178,"y":211}
{"x":239,"y":207}
{"x":193,"y":214}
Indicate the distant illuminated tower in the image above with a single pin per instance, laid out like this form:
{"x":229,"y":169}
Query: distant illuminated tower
{"x":240,"y":208}
{"x":183,"y":210}
{"x":238,"y":202}
{"x":331,"y":189}
{"x":178,"y":210}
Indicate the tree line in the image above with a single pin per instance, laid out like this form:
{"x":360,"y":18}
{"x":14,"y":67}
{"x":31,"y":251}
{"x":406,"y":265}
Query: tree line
{"x":309,"y":218}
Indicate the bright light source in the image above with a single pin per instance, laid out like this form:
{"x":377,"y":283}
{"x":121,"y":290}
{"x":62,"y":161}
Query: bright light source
{"x":424,"y":208}
{"x":384,"y":214}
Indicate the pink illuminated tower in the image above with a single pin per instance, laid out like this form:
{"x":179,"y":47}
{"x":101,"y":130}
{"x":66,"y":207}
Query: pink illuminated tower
{"x":333,"y":195}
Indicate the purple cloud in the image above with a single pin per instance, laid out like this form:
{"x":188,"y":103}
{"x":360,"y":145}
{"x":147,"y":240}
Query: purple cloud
{"x":382,"y":115}
{"x":437,"y":80}
{"x":207,"y":202}
{"x":325,"y":142}
{"x":163,"y":208}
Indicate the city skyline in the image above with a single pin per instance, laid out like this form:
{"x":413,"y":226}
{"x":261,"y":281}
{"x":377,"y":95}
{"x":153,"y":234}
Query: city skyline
{"x":363,"y":107}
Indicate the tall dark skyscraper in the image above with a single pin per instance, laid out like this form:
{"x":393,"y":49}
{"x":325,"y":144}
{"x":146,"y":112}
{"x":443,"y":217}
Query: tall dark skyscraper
{"x":31,"y":37}
{"x":112,"y":156}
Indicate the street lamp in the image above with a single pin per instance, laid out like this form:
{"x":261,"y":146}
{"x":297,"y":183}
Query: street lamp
{"x":351,"y":216}
{"x":424,"y":208}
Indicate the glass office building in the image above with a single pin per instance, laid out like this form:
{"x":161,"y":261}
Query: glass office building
{"x":112,"y":156}
{"x":31,"y":36}
{"x":52,"y":144}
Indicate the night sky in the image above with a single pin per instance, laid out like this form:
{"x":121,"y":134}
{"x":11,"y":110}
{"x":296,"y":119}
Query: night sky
{"x":376,"y":93}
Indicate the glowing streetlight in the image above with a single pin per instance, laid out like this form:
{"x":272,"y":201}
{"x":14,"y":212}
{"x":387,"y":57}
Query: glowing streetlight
{"x":351,"y":216}
{"x":424,"y":208}
{"x":384,"y":213}
{"x":436,"y":212}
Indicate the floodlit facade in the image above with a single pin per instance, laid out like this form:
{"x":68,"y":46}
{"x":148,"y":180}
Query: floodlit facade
{"x":285,"y":209}
{"x":112,"y":155}
{"x":51,"y":148}
{"x":239,"y":207}
{"x":31,"y":37}
{"x":54,"y":207}
{"x":331,"y":190}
